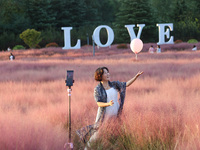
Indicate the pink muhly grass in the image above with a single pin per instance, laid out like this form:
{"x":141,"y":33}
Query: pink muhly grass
{"x":54,"y":53}
{"x":160,"y":110}
{"x":18,"y":131}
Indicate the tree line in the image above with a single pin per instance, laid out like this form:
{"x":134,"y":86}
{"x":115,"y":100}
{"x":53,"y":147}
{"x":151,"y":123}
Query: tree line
{"x":48,"y":16}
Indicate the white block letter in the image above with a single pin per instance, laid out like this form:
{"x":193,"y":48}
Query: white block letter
{"x":162,"y":33}
{"x":67,"y":39}
{"x":132,"y":32}
{"x":96,"y":36}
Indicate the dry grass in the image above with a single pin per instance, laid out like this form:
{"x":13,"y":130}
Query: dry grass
{"x":161,"y":110}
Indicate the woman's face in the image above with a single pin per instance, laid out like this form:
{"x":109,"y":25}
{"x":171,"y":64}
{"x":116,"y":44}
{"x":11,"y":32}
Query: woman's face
{"x":106,"y":75}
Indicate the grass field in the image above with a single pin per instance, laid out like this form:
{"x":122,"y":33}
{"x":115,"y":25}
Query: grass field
{"x":161,"y":109}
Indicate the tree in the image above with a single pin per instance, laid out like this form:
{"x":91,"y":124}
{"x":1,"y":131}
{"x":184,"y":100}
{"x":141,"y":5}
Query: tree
{"x":63,"y":14}
{"x":105,"y":11}
{"x":41,"y":14}
{"x":185,"y":19}
{"x":31,"y":37}
{"x":180,"y":11}
{"x":195,"y":7}
{"x":162,"y":10}
{"x":77,"y":9}
{"x":92,"y":16}
{"x":12,"y":16}
{"x":187,"y":29}
{"x":70,"y":12}
{"x":134,"y":12}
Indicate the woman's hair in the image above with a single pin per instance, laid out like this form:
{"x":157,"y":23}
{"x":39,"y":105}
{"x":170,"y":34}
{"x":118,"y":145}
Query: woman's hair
{"x":99,"y":72}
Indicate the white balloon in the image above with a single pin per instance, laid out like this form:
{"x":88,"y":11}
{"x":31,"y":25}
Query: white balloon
{"x":136,"y":45}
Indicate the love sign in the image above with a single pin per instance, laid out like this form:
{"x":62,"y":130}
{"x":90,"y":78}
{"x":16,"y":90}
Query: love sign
{"x":96,"y":35}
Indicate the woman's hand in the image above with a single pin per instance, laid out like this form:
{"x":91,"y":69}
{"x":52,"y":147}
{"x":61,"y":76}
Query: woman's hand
{"x":134,"y":78}
{"x":111,"y":103}
{"x":139,"y":73}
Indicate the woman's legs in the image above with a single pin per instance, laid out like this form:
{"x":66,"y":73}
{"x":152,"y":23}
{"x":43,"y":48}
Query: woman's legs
{"x":92,"y":139}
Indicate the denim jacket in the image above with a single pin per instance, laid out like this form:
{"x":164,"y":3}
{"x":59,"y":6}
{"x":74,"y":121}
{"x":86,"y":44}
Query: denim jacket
{"x":100,"y":96}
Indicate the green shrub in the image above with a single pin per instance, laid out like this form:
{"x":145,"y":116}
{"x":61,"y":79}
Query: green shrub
{"x":122,"y":46}
{"x":178,"y":41}
{"x":192,"y":41}
{"x":31,"y":37}
{"x":52,"y":45}
{"x":18,"y":47}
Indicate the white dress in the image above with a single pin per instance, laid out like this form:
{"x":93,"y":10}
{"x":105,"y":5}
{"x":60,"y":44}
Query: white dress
{"x":111,"y":111}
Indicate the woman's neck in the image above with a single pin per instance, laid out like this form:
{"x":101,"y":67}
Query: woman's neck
{"x":105,"y":84}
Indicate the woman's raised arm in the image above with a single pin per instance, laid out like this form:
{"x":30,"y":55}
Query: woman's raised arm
{"x":128,"y":83}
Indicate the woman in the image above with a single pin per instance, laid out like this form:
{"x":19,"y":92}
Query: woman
{"x":106,"y":96}
{"x":151,"y":49}
{"x":158,"y":49}
{"x":11,"y":57}
{"x":194,"y":48}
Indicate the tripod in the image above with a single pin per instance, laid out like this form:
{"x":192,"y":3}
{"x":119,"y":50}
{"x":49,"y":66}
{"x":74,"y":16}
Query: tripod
{"x":69,"y":82}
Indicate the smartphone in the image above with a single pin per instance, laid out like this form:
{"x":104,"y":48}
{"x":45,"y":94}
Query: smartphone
{"x":70,"y":80}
